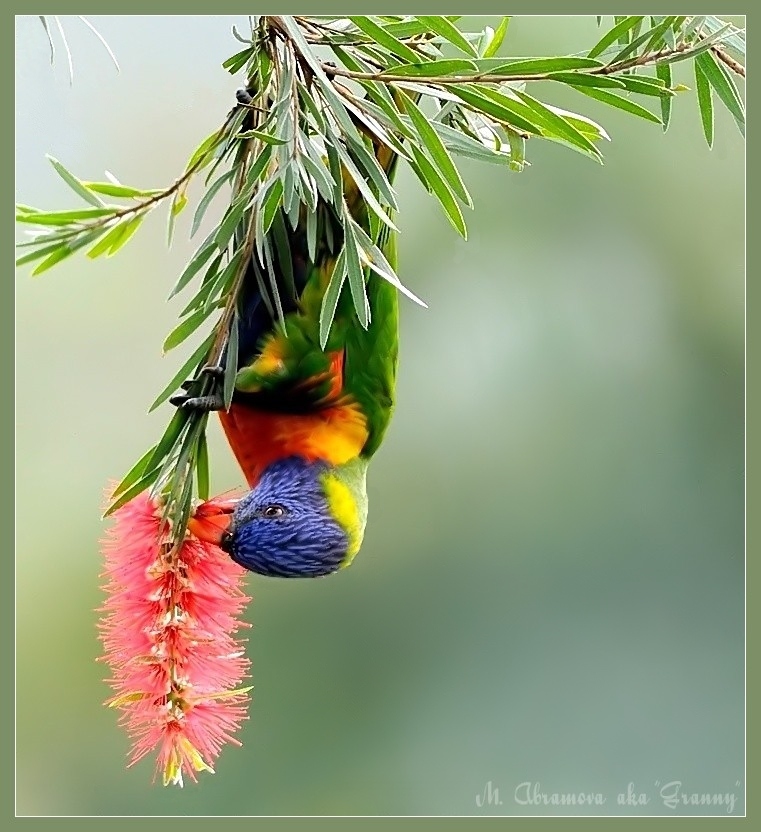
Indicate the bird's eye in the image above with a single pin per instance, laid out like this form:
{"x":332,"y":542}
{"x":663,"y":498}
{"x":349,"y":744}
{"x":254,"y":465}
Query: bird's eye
{"x":273,"y":511}
{"x":226,"y":542}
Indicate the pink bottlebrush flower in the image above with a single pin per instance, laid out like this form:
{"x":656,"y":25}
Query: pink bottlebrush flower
{"x":168,"y":632}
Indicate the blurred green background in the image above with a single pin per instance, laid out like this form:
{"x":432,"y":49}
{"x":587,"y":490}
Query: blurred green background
{"x":551,"y":585}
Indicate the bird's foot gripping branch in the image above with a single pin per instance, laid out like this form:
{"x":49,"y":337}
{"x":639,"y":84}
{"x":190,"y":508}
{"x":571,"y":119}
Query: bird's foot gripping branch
{"x":297,"y":289}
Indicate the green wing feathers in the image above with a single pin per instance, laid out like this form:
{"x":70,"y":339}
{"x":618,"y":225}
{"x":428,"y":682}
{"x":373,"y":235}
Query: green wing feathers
{"x":289,"y":370}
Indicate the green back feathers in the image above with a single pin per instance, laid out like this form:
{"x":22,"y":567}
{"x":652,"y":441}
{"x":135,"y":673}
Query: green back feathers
{"x":293,"y":371}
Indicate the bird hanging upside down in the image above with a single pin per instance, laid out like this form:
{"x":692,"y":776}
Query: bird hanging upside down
{"x":305,"y":421}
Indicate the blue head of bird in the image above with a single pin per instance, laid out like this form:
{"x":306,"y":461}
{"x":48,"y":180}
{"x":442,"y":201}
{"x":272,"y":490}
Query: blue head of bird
{"x":301,"y":520}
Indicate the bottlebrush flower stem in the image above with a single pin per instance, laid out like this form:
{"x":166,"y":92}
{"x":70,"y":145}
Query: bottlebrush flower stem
{"x":168,"y":631}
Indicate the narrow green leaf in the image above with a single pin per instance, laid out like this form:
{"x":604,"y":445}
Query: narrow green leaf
{"x":202,"y":467}
{"x":724,"y":86}
{"x":179,"y":203}
{"x":558,"y":125}
{"x":334,"y":164}
{"x":181,"y":499}
{"x":307,"y":191}
{"x":134,"y":473}
{"x":207,"y":285}
{"x":734,"y":38}
{"x":183,"y":372}
{"x":517,"y":150}
{"x":112,"y":189}
{"x":662,"y":32}
{"x":675,"y":31}
{"x":271,"y":201}
{"x":382,"y":37}
{"x":128,"y":228}
{"x":230,"y":222}
{"x":375,"y":90}
{"x":53,"y":235}
{"x":441,"y":26}
{"x":238,"y":60}
{"x":385,"y":105}
{"x":499,"y":36}
{"x":272,"y":277}
{"x":196,"y":263}
{"x":223,"y":280}
{"x":326,"y":87}
{"x":59,"y":254}
{"x":622,"y":103}
{"x":651,"y":36}
{"x":231,"y":362}
{"x":498,"y":106}
{"x":375,"y":259}
{"x":369,"y":163}
{"x":705,"y":104}
{"x":263,"y":289}
{"x":103,"y":246}
{"x":465,"y":145}
{"x":207,"y":198}
{"x":287,"y":177}
{"x":362,"y":185}
{"x":702,"y":45}
{"x":643,"y":85}
{"x":447,"y":66}
{"x":64,"y":217}
{"x":256,"y":170}
{"x":404,"y":29}
{"x":168,"y":439}
{"x":439,"y":155}
{"x":182,"y":465}
{"x":591,"y":129}
{"x":39,"y":253}
{"x":663,"y":71}
{"x":258,"y":134}
{"x":312,"y":107}
{"x":60,"y":251}
{"x":695,"y":25}
{"x":330,"y":298}
{"x":75,"y":184}
{"x":202,"y":155}
{"x":312,"y":235}
{"x":610,"y":37}
{"x":146,"y":481}
{"x":185,"y":329}
{"x":283,"y":249}
{"x":355,"y":274}
{"x":227,"y":142}
{"x":319,"y":174}
{"x":535,"y":66}
{"x":442,"y":192}
{"x":584,"y":79}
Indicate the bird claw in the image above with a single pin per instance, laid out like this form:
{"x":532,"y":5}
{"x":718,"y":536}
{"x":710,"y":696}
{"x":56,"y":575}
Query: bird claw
{"x":214,"y":370}
{"x":202,"y":403}
{"x":213,"y":401}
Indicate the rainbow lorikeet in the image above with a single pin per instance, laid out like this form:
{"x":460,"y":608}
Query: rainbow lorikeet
{"x":305,"y":420}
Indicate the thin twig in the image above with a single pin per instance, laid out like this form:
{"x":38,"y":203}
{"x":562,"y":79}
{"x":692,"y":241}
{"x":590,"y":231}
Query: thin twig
{"x":728,"y":60}
{"x":388,"y":77}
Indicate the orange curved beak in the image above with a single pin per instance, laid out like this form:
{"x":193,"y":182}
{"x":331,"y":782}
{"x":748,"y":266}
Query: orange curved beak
{"x":211,"y":520}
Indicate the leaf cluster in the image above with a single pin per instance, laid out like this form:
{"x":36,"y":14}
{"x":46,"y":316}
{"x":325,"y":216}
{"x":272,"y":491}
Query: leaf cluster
{"x":320,"y":96}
